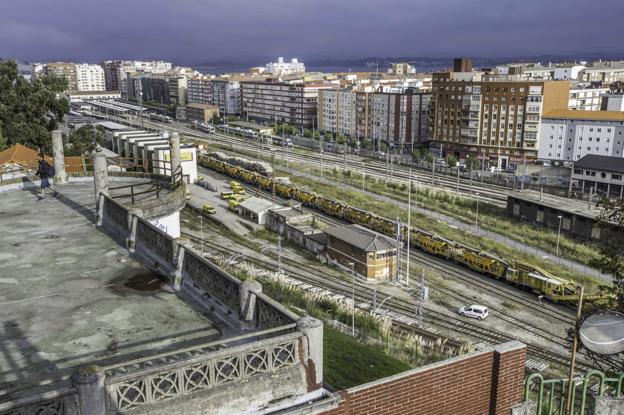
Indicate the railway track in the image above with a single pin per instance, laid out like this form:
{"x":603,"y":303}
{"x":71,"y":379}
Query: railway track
{"x":492,"y":194}
{"x":403,"y":307}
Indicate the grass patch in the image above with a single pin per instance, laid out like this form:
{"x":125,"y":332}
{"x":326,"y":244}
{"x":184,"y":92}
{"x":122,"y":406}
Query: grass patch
{"x":510,"y":305}
{"x":347,"y":362}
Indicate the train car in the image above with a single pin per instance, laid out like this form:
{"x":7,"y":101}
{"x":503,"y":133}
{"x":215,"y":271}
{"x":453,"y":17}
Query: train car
{"x":517,"y":273}
{"x":250,"y":134}
{"x":281,"y":141}
{"x":206,"y":128}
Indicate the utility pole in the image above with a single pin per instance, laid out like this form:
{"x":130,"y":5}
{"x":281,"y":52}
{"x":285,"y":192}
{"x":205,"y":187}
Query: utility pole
{"x":409,"y":226}
{"x":457,"y":178}
{"x":477,"y":214}
{"x":201,"y":233}
{"x":353,"y":298}
{"x":321,"y":138}
{"x":573,"y":356}
{"x":279,"y":254}
{"x":364,"y":176}
{"x":398,"y":248}
{"x":421,"y":299}
{"x":273,"y":178}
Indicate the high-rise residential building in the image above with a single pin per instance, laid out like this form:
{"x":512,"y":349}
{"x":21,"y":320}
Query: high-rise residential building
{"x":398,"y":118}
{"x":462,"y":65}
{"x":567,"y":135}
{"x":402,"y":69}
{"x":90,"y":77}
{"x":177,"y":90}
{"x":281,"y":68}
{"x":337,"y":111}
{"x":274,"y":100}
{"x":494,"y":117}
{"x":116,"y":73}
{"x":226,"y":94}
{"x":199,"y":90}
{"x":65,"y":69}
{"x":603,"y":72}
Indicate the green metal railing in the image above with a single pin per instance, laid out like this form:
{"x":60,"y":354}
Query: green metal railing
{"x":550,"y":393}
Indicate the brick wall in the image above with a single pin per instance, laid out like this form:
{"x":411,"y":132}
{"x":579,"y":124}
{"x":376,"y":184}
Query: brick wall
{"x":481,"y":383}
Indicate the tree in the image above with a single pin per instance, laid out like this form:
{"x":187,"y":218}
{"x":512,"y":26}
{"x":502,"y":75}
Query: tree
{"x":340,"y":138}
{"x":307,"y":133}
{"x":328,"y":137}
{"x":83,"y":140}
{"x":29,"y":110}
{"x":472,"y":163}
{"x":611,"y":260}
{"x":451,"y":160}
{"x":416,"y":154}
{"x":316,"y":135}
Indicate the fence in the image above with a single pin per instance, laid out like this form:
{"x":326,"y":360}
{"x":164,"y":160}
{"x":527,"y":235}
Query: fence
{"x":550,"y":395}
{"x":199,"y":371}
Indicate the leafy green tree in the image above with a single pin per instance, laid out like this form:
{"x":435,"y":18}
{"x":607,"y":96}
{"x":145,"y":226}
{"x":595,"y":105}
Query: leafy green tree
{"x":472,"y":163}
{"x":451,"y":160}
{"x":429,"y":157}
{"x":307,"y":133}
{"x":29,"y":110}
{"x":340,"y":138}
{"x":316,"y":135}
{"x":83,"y":140}
{"x":416,"y":154}
{"x":611,"y":260}
{"x":328,"y":137}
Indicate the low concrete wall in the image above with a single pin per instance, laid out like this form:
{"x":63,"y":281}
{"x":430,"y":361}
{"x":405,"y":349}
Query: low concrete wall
{"x":61,"y":401}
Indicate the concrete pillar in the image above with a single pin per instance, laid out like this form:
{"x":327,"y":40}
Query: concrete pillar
{"x":312,"y":328}
{"x":247,"y":291}
{"x":89,"y":381}
{"x":100,"y":175}
{"x":133,"y":215}
{"x":174,"y":143}
{"x":180,"y":246}
{"x":60,"y":176}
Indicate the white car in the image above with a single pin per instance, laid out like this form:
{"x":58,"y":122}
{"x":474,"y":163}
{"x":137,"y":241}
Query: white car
{"x":475,"y":311}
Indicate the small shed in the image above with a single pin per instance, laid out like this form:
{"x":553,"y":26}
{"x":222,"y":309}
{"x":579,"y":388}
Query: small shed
{"x":255,"y":209}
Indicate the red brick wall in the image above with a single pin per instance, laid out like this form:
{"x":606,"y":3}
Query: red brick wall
{"x":483,"y":383}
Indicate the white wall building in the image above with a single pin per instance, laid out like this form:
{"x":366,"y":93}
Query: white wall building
{"x":586,"y":99}
{"x":566,"y":73}
{"x":613,"y":102}
{"x":570,"y":135}
{"x":90,"y":77}
{"x":281,"y":68}
{"x":336,"y":111}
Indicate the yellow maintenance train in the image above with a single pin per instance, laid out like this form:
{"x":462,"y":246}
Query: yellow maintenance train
{"x":541,"y":282}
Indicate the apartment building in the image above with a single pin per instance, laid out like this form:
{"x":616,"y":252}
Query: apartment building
{"x":613,"y":101}
{"x":567,"y":135}
{"x":399,"y":119}
{"x":177,"y":90}
{"x":586,"y":99}
{"x":401,"y":69}
{"x":226,"y":94}
{"x":116,"y":73}
{"x":281,"y":68}
{"x":64,"y":69}
{"x":337,"y":111}
{"x":199,"y":90}
{"x":603,"y":72}
{"x":494,"y":117}
{"x":90,"y":77}
{"x":293,"y":102}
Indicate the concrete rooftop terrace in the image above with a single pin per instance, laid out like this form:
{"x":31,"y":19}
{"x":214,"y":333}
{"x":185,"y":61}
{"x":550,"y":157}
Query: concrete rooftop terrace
{"x":70,"y":295}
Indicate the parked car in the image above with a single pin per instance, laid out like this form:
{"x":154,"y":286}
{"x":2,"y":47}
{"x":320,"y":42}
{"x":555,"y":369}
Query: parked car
{"x":475,"y":311}
{"x":208,"y":209}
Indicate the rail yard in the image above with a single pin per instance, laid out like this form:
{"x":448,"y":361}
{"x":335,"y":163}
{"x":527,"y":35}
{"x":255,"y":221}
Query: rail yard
{"x":527,"y":302}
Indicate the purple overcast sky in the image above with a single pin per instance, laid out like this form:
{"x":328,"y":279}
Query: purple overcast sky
{"x":193,"y":31}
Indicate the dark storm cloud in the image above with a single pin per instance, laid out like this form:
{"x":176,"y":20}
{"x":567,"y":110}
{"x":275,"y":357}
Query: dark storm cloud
{"x":205,"y":30}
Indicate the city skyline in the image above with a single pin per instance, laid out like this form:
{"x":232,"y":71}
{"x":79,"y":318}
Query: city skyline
{"x":192,"y":31}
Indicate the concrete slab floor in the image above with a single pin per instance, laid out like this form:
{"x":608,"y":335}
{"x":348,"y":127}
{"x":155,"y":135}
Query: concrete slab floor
{"x":69,"y":294}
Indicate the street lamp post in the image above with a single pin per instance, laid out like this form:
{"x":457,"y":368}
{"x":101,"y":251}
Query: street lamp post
{"x":560,"y":217}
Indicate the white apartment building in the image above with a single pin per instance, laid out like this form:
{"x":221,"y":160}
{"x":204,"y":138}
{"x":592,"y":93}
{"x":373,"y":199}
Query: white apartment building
{"x":586,"y":99}
{"x":292,"y":102}
{"x":226,"y":94}
{"x":281,"y":68}
{"x":567,"y":135}
{"x":90,"y":77}
{"x":336,"y":111}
